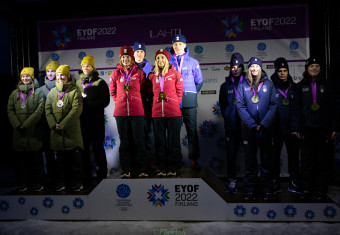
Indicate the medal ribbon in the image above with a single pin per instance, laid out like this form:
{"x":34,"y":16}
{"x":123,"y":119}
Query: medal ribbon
{"x":161,"y":82}
{"x":61,"y":96}
{"x":22,"y":95}
{"x":86,"y":86}
{"x":179,"y":66}
{"x":127,"y":79}
{"x":285,"y":93}
{"x":258,"y":89}
{"x":313,"y":84}
{"x":235,"y":90}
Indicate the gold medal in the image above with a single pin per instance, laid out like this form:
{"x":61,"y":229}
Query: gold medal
{"x":255,"y":99}
{"x":315,"y":106}
{"x":127,"y":86}
{"x":234,"y":102}
{"x":60,"y":103}
{"x":285,"y":101}
{"x":162,"y":95}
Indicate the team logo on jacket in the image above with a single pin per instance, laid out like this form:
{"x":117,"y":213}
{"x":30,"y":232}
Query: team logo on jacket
{"x":121,"y":79}
{"x":264,"y":88}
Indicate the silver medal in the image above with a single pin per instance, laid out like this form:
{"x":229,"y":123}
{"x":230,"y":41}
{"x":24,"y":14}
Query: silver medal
{"x":83,"y":94}
{"x":23,"y":105}
{"x":60,"y":103}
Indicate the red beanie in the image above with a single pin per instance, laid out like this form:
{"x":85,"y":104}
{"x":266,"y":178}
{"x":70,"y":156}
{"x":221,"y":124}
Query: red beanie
{"x":126,"y":50}
{"x":164,"y":52}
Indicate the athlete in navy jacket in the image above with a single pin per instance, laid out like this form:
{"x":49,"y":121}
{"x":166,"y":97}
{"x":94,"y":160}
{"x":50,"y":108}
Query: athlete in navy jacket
{"x":256,"y":105}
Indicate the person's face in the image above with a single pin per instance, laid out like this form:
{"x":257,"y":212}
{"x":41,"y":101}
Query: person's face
{"x":314,"y":70}
{"x":26,"y":79}
{"x":139,"y":56}
{"x":283,"y":74}
{"x":255,"y":69}
{"x":126,"y":60}
{"x":87,"y":69}
{"x":62,"y":78}
{"x":236,"y":71}
{"x":161,"y":60}
{"x":50,"y":73}
{"x":179,"y":47}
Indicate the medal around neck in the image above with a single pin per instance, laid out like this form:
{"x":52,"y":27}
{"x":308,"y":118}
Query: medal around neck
{"x":162,"y":95}
{"x":315,"y":106}
{"x":23,"y":105}
{"x":60,"y":103}
{"x":127,"y":87}
{"x":83,"y":94}
{"x":255,"y":99}
{"x":285,"y":101}
{"x":234,"y":102}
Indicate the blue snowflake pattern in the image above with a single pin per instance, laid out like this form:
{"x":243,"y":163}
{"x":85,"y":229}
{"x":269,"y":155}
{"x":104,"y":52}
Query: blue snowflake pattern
{"x":61,"y":37}
{"x":208,"y":129}
{"x":110,"y":142}
{"x":255,"y":210}
{"x":290,"y":211}
{"x":34,"y":211}
{"x":21,"y":200}
{"x":216,"y":110}
{"x":184,"y":141}
{"x":4,"y":205}
{"x":309,"y":214}
{"x":65,"y":210}
{"x":240,"y":211}
{"x":48,"y":202}
{"x":271,"y":214}
{"x":329,"y":212}
{"x":232,"y":27}
{"x":78,"y":203}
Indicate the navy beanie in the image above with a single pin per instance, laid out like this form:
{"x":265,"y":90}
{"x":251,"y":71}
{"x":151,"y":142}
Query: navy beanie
{"x":280,"y":63}
{"x":254,"y":60}
{"x":179,"y":38}
{"x":312,"y":60}
{"x":139,"y":46}
{"x":236,"y":59}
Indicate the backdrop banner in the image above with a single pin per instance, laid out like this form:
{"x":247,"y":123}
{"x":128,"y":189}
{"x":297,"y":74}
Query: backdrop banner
{"x":212,"y":37}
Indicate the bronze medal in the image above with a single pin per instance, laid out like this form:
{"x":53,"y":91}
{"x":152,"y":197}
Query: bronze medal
{"x":234,"y":102}
{"x":285,"y":101}
{"x":255,"y":99}
{"x":127,"y":86}
{"x":315,"y":106}
{"x":162,"y":95}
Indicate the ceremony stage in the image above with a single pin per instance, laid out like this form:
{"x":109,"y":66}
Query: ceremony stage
{"x":191,"y":196}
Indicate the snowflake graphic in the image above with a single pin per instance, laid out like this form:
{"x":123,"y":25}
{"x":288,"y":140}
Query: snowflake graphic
{"x":216,"y":163}
{"x":309,"y":214}
{"x":34,"y":211}
{"x":329,"y":212}
{"x":290,"y":211}
{"x":105,"y":119}
{"x":184,"y":141}
{"x":240,"y":211}
{"x":61,"y":36}
{"x":21,"y":200}
{"x":208,"y":129}
{"x":48,"y":202}
{"x":271,"y":214}
{"x":65,"y":210}
{"x":216,"y":110}
{"x":4,"y":205}
{"x":158,"y":195}
{"x":232,"y":27}
{"x":109,"y":142}
{"x":255,"y":210}
{"x":78,"y":203}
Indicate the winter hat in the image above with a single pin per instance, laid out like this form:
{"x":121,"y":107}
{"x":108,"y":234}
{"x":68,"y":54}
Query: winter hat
{"x":236,"y":59}
{"x":126,"y":50}
{"x":27,"y":70}
{"x":254,"y":60}
{"x":64,"y":69}
{"x":164,"y":52}
{"x":281,"y":63}
{"x":52,"y":65}
{"x":312,"y":60}
{"x":88,"y":60}
{"x":179,"y":38}
{"x":139,"y":46}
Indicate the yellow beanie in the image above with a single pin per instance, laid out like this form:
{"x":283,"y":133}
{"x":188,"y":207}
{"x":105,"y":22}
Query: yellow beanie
{"x":52,"y":65}
{"x":64,"y":69}
{"x":88,"y":60}
{"x":28,"y":70}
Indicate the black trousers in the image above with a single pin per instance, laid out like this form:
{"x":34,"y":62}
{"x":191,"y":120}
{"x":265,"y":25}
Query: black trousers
{"x":190,"y":121}
{"x":233,"y":141}
{"x":314,"y":160}
{"x":69,"y":167}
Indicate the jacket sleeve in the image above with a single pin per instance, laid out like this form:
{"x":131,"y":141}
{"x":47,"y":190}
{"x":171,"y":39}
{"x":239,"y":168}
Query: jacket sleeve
{"x":13,"y":118}
{"x":222,"y":99}
{"x":179,"y":86}
{"x":242,"y":109}
{"x":198,"y":77}
{"x":36,"y":115}
{"x":49,"y":111}
{"x":272,"y":107}
{"x":75,"y":112}
{"x":113,"y":86}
